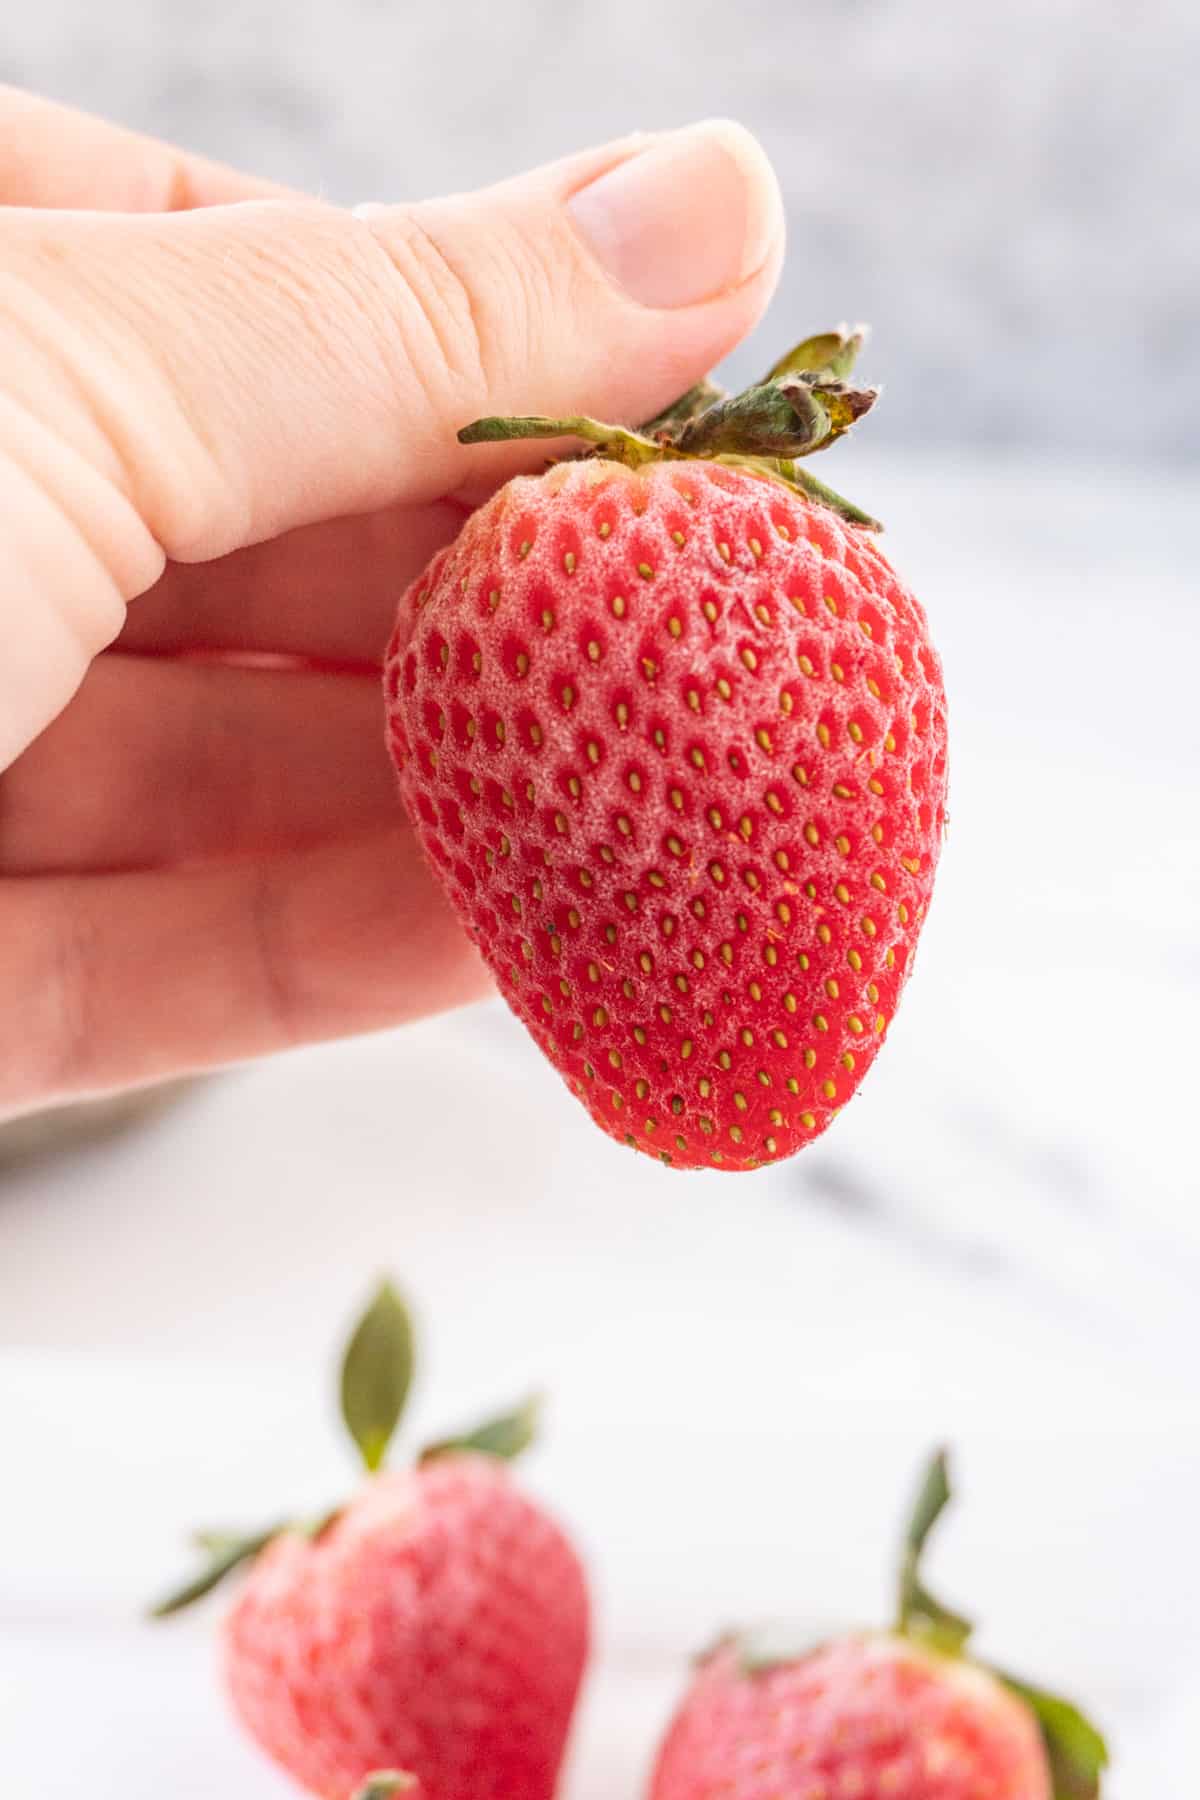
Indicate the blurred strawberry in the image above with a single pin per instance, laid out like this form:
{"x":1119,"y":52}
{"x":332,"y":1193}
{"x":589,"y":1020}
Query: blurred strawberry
{"x":903,"y":1714}
{"x":436,"y":1624}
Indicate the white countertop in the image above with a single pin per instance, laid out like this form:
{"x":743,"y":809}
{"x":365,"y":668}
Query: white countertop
{"x":998,"y":1243}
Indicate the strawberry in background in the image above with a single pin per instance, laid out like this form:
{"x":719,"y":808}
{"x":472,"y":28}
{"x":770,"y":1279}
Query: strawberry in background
{"x":900,"y":1714}
{"x":428,"y":1636}
{"x":672,"y":733}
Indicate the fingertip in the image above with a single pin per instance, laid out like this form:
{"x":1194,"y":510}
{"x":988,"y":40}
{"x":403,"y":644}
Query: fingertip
{"x":690,"y":216}
{"x":764,"y":220}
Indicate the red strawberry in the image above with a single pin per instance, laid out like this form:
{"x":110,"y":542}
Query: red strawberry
{"x":868,"y":1716}
{"x":900,"y":1715}
{"x":440,"y":1624}
{"x":673,"y":735}
{"x":436,"y":1624}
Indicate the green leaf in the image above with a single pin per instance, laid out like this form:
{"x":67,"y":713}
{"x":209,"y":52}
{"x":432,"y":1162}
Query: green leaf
{"x":386,"y":1782}
{"x":828,"y":353}
{"x":227,"y":1553}
{"x":936,"y":1625}
{"x":1075,"y":1750}
{"x":933,"y":1497}
{"x":844,"y":405}
{"x":504,"y":1437}
{"x":826,"y":496}
{"x":377,"y":1373}
{"x":781,"y":418}
{"x":689,"y":406}
{"x":536,"y":425}
{"x":919,"y":1614}
{"x":216,"y":1543}
{"x":611,"y":441}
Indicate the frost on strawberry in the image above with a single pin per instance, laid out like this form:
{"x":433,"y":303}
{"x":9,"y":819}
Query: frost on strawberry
{"x":673,"y":735}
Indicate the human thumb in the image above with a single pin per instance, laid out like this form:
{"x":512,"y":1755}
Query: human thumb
{"x":218,"y":376}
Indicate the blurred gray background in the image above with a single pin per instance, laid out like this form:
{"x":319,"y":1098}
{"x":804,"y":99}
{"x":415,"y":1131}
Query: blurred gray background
{"x":1010,"y":193}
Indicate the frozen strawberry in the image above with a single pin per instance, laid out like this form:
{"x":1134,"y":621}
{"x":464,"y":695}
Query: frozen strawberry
{"x":673,"y":735}
{"x":869,"y":1716}
{"x":429,"y":1636}
{"x":899,"y":1715}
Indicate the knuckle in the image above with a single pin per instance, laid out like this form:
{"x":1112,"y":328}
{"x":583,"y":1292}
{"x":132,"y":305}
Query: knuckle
{"x":483,"y":300}
{"x":90,"y":404}
{"x":434,"y":311}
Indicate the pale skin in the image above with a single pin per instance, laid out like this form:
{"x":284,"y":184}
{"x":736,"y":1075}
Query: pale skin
{"x":227,"y":443}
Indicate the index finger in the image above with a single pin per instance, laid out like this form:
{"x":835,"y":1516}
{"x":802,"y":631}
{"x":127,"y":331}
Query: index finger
{"x":53,"y":156}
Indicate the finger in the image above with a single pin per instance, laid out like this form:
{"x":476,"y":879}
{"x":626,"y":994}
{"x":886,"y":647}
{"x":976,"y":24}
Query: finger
{"x":327,"y":591}
{"x":51,"y":155}
{"x":281,"y":362}
{"x":212,"y":378}
{"x":160,"y":761}
{"x":111,"y":980}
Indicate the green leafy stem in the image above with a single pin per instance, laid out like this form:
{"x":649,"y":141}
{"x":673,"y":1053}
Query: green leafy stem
{"x":376,"y":1379}
{"x":804,"y":404}
{"x":1075,"y":1750}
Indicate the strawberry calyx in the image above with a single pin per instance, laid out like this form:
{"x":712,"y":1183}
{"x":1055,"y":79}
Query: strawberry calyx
{"x":505,"y":1436}
{"x":1075,"y":1751}
{"x":377,"y":1372}
{"x":376,"y":1377}
{"x":803,"y":404}
{"x":226,"y":1551}
{"x":918,"y":1614}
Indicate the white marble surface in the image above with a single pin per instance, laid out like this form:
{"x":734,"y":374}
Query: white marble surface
{"x":998,"y":1243}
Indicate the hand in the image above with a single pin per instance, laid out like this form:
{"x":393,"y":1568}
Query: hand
{"x":227,"y":420}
